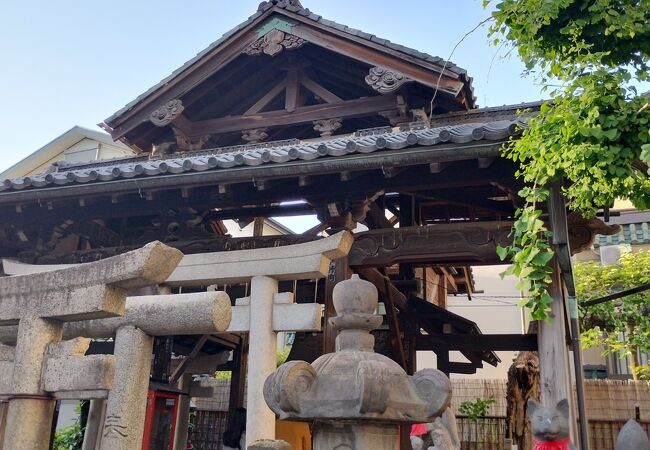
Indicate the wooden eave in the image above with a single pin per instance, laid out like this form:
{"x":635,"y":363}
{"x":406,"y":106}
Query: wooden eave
{"x":451,"y":84}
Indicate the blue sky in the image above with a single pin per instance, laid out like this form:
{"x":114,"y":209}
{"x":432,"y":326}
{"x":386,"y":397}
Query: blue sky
{"x":74,"y":62}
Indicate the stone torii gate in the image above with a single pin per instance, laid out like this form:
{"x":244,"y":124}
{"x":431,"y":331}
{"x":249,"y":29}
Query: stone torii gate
{"x":262,"y":315}
{"x":123,"y":377}
{"x":262,"y":318}
{"x":41,"y":303}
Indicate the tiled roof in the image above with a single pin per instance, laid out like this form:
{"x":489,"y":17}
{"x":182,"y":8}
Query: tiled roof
{"x":632,"y":233}
{"x":270,"y":153}
{"x":305,"y":12}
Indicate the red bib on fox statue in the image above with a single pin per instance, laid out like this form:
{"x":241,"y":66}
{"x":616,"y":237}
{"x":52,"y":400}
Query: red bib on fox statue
{"x":564,"y":444}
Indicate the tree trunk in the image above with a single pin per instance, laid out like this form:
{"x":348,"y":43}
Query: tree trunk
{"x":523,"y":383}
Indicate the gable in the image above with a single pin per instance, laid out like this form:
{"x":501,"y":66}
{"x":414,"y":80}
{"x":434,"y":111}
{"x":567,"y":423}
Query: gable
{"x":287,"y":73}
{"x":76,"y":145}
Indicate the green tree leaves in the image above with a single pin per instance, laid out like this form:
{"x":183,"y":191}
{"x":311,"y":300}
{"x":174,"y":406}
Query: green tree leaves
{"x":594,"y":132}
{"x":622,"y":326}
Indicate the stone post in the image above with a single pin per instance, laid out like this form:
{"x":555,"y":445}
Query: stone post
{"x":93,"y":424}
{"x":127,"y":400}
{"x":356,"y":399}
{"x":260,"y":420}
{"x":29,"y":416}
{"x":632,"y":437}
{"x":183,"y":417}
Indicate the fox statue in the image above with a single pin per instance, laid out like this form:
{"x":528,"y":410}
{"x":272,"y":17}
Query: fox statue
{"x":550,"y":426}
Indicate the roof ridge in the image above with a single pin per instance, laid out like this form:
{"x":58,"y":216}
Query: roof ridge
{"x":296,"y":7}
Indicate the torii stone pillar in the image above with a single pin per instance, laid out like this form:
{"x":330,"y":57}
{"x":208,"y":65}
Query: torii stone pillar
{"x":93,"y":424}
{"x":262,"y":342}
{"x":263,"y":268}
{"x":41,"y":303}
{"x":145,"y":316}
{"x":127,"y":400}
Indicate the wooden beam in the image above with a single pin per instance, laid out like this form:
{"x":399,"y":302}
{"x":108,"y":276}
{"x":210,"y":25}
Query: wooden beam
{"x":238,"y":376}
{"x":470,"y":243}
{"x":462,"y":367}
{"x":345,"y":109}
{"x":292,"y":94}
{"x":319,"y":90}
{"x":266,"y":99}
{"x":266,"y":211}
{"x":258,"y":226}
{"x":477,"y":342}
{"x":384,"y":286}
{"x":376,"y":217}
{"x":393,"y":322}
{"x":376,"y":55}
{"x":180,"y":370}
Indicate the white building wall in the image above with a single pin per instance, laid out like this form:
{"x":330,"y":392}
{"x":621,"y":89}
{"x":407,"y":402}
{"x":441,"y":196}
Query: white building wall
{"x":495,"y":311}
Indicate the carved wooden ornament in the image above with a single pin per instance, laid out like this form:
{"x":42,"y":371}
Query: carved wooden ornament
{"x":582,"y":232}
{"x":186,"y":143}
{"x":255,"y":135}
{"x":385,"y":81}
{"x":273,"y":42}
{"x":167,"y":113}
{"x":327,"y":127}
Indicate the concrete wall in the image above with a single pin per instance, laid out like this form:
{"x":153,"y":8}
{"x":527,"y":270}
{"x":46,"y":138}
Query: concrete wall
{"x":270,"y":229}
{"x":67,"y":413}
{"x":85,"y":150}
{"x":88,"y":150}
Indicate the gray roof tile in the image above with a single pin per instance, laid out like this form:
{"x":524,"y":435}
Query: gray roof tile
{"x":225,"y":158}
{"x":632,"y":234}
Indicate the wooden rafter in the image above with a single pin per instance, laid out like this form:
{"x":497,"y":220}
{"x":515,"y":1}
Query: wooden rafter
{"x":267,"y":98}
{"x":292,"y":94}
{"x":319,"y":90}
{"x":345,"y":109}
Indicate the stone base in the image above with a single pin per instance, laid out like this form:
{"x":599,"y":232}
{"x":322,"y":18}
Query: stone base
{"x":355,"y":436}
{"x":268,"y":444}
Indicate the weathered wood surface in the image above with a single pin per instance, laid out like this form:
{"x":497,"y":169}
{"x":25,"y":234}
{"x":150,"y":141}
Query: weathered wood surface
{"x":555,"y":379}
{"x":523,"y":383}
{"x":382,"y":57}
{"x":462,"y":243}
{"x":478,"y":342}
{"x":443,"y":244}
{"x":350,"y":108}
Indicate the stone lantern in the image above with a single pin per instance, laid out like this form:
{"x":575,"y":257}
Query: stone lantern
{"x":356,"y":398}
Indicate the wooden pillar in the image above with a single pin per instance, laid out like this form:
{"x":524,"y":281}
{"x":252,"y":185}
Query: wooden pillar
{"x":406,"y":272}
{"x":339,"y":271}
{"x":555,"y":378}
{"x":162,"y":358}
{"x":238,"y":377}
{"x":258,"y":226}
{"x":443,"y":361}
{"x":3,"y":420}
{"x":411,"y":329}
{"x":406,"y":219}
{"x":183,"y":415}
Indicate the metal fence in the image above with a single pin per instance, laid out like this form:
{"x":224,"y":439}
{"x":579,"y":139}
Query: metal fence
{"x":485,"y":433}
{"x":489,"y":433}
{"x":208,"y":430}
{"x":603,"y":433}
